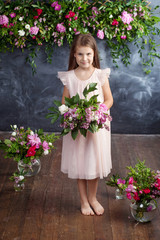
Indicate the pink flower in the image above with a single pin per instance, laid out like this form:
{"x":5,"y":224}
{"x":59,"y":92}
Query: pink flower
{"x":54,"y":4}
{"x":45,"y":146}
{"x":10,"y":33}
{"x":79,"y":7}
{"x":123,"y":37}
{"x":12,"y":15}
{"x":130,"y":188}
{"x":34,"y":30}
{"x":57,"y":7}
{"x":3,"y":19}
{"x":129,"y":27}
{"x":131,"y":180}
{"x":95,"y":10}
{"x":126,"y":17}
{"x":136,"y":197}
{"x":129,"y":196}
{"x":149,"y":208}
{"x":60,"y":28}
{"x":34,"y":140}
{"x":100,"y":34}
{"x":75,"y":18}
{"x":121,"y":181}
{"x":76,"y":33}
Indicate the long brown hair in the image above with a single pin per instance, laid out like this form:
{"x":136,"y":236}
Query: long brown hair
{"x":86,"y":40}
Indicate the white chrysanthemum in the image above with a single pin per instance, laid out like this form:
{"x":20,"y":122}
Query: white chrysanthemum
{"x":50,"y":144}
{"x":21,"y":19}
{"x":13,"y":134}
{"x":14,"y":126}
{"x":46,"y":152}
{"x":21,"y":177}
{"x":63,"y":109}
{"x":31,"y":133}
{"x":27,"y":26}
{"x":21,"y":33}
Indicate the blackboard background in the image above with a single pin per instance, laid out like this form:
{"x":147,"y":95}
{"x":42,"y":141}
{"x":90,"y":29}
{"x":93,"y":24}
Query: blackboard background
{"x":25,"y":99}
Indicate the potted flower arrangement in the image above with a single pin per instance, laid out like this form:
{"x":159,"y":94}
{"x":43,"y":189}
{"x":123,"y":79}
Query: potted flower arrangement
{"x":81,"y":115}
{"x":26,"y":147}
{"x":30,"y":24}
{"x":142,"y":188}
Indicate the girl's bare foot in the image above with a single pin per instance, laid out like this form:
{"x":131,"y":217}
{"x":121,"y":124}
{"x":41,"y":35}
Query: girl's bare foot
{"x":99,"y":210}
{"x":86,"y":209}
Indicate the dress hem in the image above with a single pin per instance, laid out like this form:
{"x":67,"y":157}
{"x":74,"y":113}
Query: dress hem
{"x":86,"y":177}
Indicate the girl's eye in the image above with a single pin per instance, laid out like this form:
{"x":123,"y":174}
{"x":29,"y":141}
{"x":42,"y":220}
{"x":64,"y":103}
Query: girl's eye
{"x":88,"y":54}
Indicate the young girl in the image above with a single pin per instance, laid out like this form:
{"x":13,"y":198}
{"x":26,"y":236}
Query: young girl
{"x":86,"y":159}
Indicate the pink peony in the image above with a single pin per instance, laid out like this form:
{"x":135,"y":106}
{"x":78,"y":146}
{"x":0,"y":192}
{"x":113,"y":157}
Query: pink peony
{"x":100,"y":34}
{"x":34,"y":30}
{"x":45,"y":146}
{"x":123,"y":37}
{"x":12,"y":15}
{"x":126,"y":18}
{"x":34,"y":140}
{"x":60,"y":28}
{"x":131,"y":180}
{"x":54,"y":4}
{"x":3,"y":19}
{"x":129,"y":27}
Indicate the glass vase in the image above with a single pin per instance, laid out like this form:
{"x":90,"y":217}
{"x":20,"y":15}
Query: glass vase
{"x":120,"y":194}
{"x":30,"y":170}
{"x":19,"y":187}
{"x":142,"y":214}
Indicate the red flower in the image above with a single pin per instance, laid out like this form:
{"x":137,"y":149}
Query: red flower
{"x":146,"y":191}
{"x":115,"y":22}
{"x":39,"y":11}
{"x":31,"y":151}
{"x":67,"y":16}
{"x":71,"y":14}
{"x":35,"y":17}
{"x":136,"y":197}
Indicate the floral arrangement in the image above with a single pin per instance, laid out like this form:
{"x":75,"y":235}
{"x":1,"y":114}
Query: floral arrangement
{"x":26,"y":24}
{"x":142,"y":186}
{"x":27,"y":146}
{"x":81,"y":114}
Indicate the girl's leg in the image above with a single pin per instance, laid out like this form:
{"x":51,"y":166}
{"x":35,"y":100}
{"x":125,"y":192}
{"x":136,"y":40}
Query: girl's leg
{"x":92,"y":191}
{"x":85,"y":207}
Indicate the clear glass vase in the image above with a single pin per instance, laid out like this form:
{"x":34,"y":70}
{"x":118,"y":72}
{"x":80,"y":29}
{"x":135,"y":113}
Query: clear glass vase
{"x":142,"y":214}
{"x":19,"y":187}
{"x":120,"y":194}
{"x":30,"y":170}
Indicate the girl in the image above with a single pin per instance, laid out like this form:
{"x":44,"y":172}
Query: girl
{"x":86,"y":159}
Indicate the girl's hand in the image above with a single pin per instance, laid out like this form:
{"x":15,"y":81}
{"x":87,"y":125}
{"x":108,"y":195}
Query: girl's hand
{"x":108,"y":98}
{"x":65,"y":94}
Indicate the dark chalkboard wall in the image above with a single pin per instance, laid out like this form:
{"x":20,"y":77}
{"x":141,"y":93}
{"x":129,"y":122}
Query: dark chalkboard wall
{"x":25,"y":99}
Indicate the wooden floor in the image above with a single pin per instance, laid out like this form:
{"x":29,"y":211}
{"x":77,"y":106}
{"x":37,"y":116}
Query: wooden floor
{"x":49,"y":207}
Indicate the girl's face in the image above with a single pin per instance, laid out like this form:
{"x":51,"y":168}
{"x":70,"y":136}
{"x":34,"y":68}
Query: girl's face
{"x":84,"y":56}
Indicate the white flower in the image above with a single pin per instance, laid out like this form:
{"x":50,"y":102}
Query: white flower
{"x":31,"y":133}
{"x":21,"y":32}
{"x":27,"y":26}
{"x":21,"y":178}
{"x":111,"y":16}
{"x":46,"y":152}
{"x":14,"y":126}
{"x":63,"y":109}
{"x":13,"y":134}
{"x":50,"y":144}
{"x":70,"y":118}
{"x":141,"y":205}
{"x":70,"y":29}
{"x":21,"y":19}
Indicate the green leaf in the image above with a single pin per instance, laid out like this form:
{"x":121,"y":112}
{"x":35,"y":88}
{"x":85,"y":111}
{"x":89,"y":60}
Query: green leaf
{"x":76,"y":99}
{"x":83,"y":131}
{"x":90,"y":88}
{"x":74,"y":133}
{"x":7,"y":141}
{"x":54,"y":118}
{"x":57,"y":103}
{"x":53,"y":109}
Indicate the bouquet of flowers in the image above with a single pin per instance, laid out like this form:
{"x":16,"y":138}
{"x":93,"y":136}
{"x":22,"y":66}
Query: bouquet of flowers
{"x":118,"y":182}
{"x":81,"y":114}
{"x":26,"y":146}
{"x":142,"y":187}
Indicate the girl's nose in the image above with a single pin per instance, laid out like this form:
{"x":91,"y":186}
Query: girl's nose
{"x":84,"y":57}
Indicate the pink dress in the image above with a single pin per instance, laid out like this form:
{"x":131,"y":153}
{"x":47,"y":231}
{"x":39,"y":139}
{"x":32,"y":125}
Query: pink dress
{"x":90,"y":157}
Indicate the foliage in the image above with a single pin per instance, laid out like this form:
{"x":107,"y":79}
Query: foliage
{"x":142,"y":184}
{"x":27,"y":146}
{"x":81,"y":114}
{"x":29,"y":24}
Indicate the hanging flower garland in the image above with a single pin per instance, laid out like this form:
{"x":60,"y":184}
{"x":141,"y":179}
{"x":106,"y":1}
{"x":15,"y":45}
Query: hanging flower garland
{"x":26,"y":24}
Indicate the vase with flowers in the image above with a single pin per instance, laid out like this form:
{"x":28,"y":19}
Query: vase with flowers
{"x":26,"y":147}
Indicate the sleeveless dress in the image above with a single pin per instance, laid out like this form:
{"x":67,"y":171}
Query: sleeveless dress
{"x":90,"y":157}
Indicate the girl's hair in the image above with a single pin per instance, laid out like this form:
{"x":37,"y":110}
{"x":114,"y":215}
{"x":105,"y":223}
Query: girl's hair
{"x":84,"y":40}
